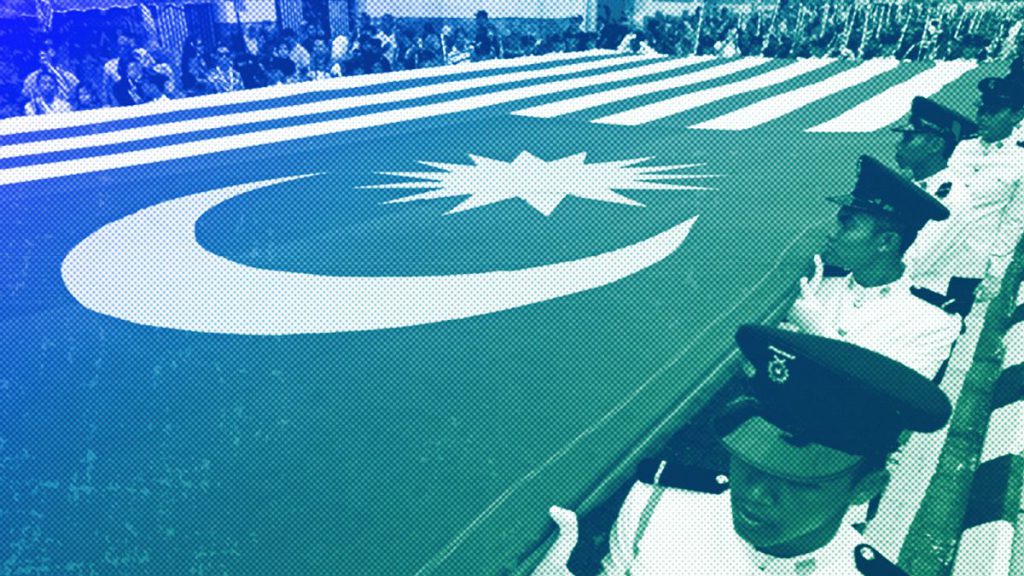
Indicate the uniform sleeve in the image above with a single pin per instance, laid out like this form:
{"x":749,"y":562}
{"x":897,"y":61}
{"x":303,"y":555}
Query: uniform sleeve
{"x":1011,"y":223}
{"x":816,"y":314}
{"x":932,"y":346}
{"x":624,"y":531}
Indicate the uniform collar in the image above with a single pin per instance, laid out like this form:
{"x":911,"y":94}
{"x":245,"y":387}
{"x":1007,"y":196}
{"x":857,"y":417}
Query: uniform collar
{"x":935,"y":180}
{"x":883,"y":291}
{"x":822,"y":562}
{"x":991,"y":147}
{"x":805,"y":565}
{"x":977,"y":147}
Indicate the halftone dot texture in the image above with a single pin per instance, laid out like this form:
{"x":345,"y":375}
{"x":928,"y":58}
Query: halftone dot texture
{"x":428,"y":449}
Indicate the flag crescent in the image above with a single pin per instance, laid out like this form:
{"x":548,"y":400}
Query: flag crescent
{"x":148,"y":268}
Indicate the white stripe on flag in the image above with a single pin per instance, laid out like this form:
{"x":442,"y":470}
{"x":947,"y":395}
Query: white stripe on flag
{"x":277,"y":135}
{"x":782,"y":104}
{"x":679,"y":104}
{"x":889,"y":106}
{"x":562,"y":107}
{"x":345,"y":103}
{"x":23,"y":124}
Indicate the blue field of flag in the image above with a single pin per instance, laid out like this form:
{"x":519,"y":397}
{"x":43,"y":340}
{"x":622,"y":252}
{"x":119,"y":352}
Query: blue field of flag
{"x":379,"y":324}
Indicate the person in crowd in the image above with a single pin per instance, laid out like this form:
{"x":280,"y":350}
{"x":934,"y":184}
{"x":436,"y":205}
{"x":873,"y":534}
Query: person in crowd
{"x":296,"y":51}
{"x":486,"y":41}
{"x":280,"y":67}
{"x":127,"y":90}
{"x":85,"y":98}
{"x":46,"y":99}
{"x":308,"y":32}
{"x":223,"y":77}
{"x":252,"y":40}
{"x":809,"y":443}
{"x":612,"y":33}
{"x":340,"y":47}
{"x":169,"y":86}
{"x":194,"y":67}
{"x":458,"y":49}
{"x":388,"y":39}
{"x":574,"y":35}
{"x":113,"y":67}
{"x":280,"y":71}
{"x":515,"y":45}
{"x":412,"y":50}
{"x":636,"y":43}
{"x":929,"y":138}
{"x":251,"y":70}
{"x":64,"y":79}
{"x":873,"y":305}
{"x":728,"y":48}
{"x":319,"y":61}
{"x":151,"y":87}
{"x":149,"y":62}
{"x":363,"y":24}
{"x":979,"y":243}
{"x":368,"y":55}
{"x":431,"y":51}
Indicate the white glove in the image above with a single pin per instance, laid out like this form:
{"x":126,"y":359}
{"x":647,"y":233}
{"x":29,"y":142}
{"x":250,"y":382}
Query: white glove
{"x":988,"y":288}
{"x":809,"y":313}
{"x":554,"y":563}
{"x":992,"y":280}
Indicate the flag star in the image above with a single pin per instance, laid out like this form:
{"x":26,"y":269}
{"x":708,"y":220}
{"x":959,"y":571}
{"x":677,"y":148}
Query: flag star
{"x":541,"y":184}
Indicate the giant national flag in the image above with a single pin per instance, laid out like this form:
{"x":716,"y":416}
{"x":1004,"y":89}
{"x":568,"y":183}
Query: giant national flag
{"x":377,"y":325}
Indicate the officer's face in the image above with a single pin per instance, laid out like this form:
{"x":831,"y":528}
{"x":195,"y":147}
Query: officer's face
{"x":996,"y":123}
{"x":915,"y":148}
{"x":854,"y":241}
{"x":787,"y":518}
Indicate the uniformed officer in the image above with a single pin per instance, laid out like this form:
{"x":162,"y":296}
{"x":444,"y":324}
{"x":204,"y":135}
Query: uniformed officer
{"x":873,"y":306}
{"x":979,"y":240}
{"x":929,"y":138}
{"x":810,"y":443}
{"x":931,"y":134}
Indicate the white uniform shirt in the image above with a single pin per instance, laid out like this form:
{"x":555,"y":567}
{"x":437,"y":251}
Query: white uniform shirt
{"x":691,"y":533}
{"x":988,"y":219}
{"x":887,"y":319}
{"x":934,"y":256}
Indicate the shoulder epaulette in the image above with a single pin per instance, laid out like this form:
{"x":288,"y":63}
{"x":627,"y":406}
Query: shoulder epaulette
{"x":870,"y":562}
{"x":673,"y":475}
{"x":940,"y":301}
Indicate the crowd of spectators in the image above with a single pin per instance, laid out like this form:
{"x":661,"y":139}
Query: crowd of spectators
{"x":263,"y":54}
{"x":844,"y":29}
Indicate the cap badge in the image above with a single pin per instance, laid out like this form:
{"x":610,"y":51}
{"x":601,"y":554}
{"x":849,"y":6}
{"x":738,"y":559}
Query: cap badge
{"x":778,"y":370}
{"x":880,"y":204}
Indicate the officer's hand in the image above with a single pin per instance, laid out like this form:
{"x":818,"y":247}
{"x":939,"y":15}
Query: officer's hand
{"x":987,"y":289}
{"x":809,"y":287}
{"x":809,"y":313}
{"x":554,"y":563}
